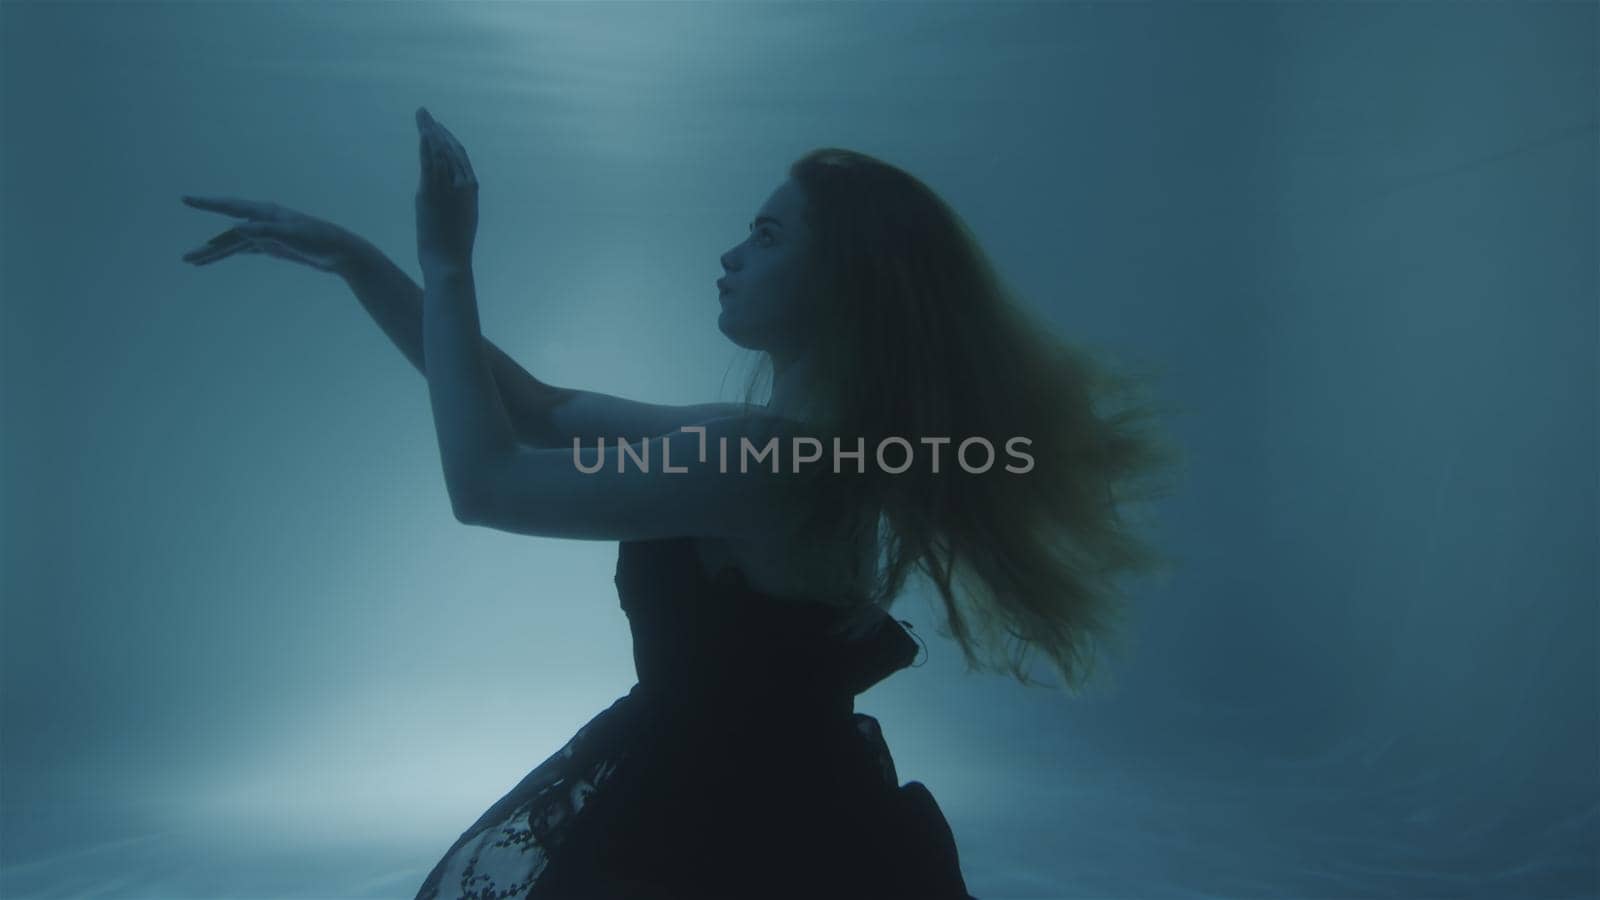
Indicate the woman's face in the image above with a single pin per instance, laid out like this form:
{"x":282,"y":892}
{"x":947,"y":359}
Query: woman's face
{"x":762,"y":292}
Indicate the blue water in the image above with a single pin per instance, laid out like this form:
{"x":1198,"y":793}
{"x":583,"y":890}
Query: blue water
{"x":248,"y":653}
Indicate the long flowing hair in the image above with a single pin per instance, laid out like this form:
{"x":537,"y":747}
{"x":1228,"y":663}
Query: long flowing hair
{"x":920,"y":337}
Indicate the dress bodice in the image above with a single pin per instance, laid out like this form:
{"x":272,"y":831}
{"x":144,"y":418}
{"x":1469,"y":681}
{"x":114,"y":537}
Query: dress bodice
{"x":698,"y":640}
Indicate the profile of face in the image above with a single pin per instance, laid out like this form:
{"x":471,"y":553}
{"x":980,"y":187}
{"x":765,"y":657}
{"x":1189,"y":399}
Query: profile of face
{"x":762,"y":291}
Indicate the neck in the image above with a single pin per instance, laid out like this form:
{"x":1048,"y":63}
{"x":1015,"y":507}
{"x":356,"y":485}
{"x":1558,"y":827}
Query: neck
{"x":791,"y":386}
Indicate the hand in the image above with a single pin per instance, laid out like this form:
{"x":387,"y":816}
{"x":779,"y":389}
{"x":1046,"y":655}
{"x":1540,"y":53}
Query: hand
{"x":447,"y":198}
{"x":277,"y":231}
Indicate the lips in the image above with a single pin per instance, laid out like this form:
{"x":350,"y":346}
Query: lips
{"x":722,"y":286}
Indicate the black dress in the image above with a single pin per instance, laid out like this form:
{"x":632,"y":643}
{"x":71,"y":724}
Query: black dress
{"x":736,"y":767}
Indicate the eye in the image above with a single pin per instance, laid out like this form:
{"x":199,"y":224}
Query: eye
{"x":763,"y":233}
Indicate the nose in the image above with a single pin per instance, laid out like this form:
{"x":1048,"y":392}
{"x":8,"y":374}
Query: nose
{"x":728,"y":261}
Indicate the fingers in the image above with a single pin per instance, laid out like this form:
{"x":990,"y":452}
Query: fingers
{"x":221,"y":245}
{"x":207,"y":255}
{"x":449,"y":165}
{"x":457,"y":153}
{"x":435,"y":168}
{"x":239,"y":239}
{"x":443,"y":152}
{"x":441,"y":170}
{"x":427,"y":152}
{"x":233,"y":206}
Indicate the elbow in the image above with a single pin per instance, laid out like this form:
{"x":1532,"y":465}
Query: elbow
{"x":465,"y":514}
{"x":475,"y":489}
{"x":466,"y":502}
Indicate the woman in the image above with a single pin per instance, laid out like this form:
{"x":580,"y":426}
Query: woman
{"x":757,"y":598}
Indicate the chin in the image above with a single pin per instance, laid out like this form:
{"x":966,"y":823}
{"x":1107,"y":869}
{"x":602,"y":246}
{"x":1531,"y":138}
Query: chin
{"x":728,"y":324}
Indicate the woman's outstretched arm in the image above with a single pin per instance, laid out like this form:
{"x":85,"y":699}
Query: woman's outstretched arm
{"x":718,"y":479}
{"x":388,"y":294}
{"x":470,"y":420}
{"x":497,"y":483}
{"x":394,"y":301}
{"x":543,"y":415}
{"x":473,"y":429}
{"x":490,"y":477}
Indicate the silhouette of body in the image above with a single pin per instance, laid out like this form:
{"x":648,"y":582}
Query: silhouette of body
{"x":735,"y":767}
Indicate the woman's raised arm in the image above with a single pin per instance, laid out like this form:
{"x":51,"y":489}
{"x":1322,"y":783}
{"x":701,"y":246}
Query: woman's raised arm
{"x":543,"y":415}
{"x":394,"y":301}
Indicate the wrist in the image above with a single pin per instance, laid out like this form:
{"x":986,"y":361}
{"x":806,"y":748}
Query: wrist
{"x":441,"y":268}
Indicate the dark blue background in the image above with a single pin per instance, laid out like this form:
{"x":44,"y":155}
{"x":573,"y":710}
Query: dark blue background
{"x":248,"y":652}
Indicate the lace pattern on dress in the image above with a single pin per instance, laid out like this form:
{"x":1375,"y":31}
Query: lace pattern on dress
{"x":504,"y":853}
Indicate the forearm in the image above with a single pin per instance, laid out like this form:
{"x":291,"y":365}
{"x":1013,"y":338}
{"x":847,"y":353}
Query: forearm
{"x":469,"y":417}
{"x":394,"y":301}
